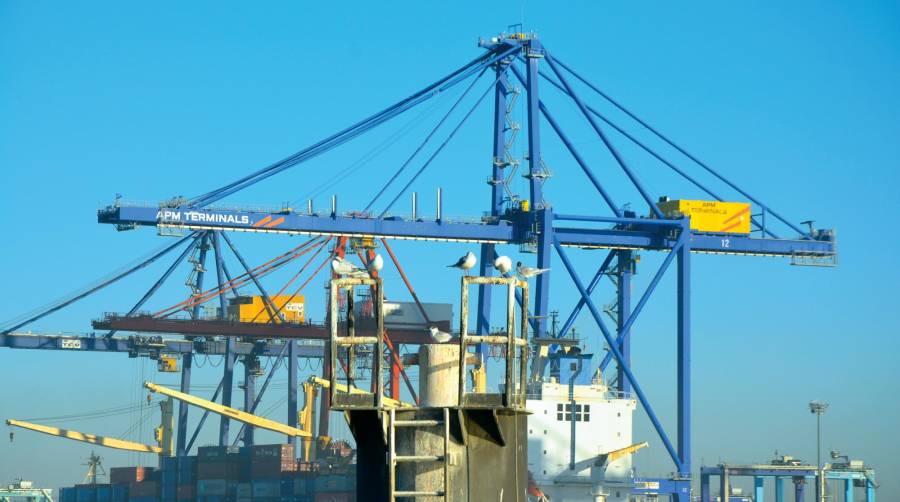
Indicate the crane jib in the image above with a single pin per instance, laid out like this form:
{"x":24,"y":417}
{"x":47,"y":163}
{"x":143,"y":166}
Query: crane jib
{"x":637,"y":234}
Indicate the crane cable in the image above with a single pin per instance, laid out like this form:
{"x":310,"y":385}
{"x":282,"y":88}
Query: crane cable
{"x":354,"y":130}
{"x":424,"y":142}
{"x":440,"y":148}
{"x":89,"y":290}
{"x":239,"y":281}
{"x":321,"y":245}
{"x":372,"y":154}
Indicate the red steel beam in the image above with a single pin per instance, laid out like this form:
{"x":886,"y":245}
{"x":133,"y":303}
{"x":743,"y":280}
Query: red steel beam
{"x":191,"y":327}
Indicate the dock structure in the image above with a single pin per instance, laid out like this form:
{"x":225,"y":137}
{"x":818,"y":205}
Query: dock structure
{"x":853,"y":480}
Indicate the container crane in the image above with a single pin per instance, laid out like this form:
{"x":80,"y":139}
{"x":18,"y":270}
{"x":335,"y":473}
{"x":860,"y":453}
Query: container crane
{"x":163,"y":434}
{"x":531,"y":222}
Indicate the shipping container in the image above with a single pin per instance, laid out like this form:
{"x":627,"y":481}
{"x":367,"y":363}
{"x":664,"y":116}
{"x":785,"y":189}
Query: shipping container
{"x":266,"y":488}
{"x":332,"y":483}
{"x":168,"y":463}
{"x":253,"y":308}
{"x":215,"y":453}
{"x":85,"y":493}
{"x":67,"y":494}
{"x":186,"y":492}
{"x":335,"y":497}
{"x":303,"y":485}
{"x":168,"y":492}
{"x":269,"y":451}
{"x":118,"y":493}
{"x":229,"y":469}
{"x":407,"y":315}
{"x":216,"y":487}
{"x":187,"y":471}
{"x":215,"y":498}
{"x":273,"y":468}
{"x":144,"y":489}
{"x":127,"y":475}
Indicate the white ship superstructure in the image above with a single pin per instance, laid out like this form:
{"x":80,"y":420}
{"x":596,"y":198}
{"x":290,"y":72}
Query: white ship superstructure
{"x":571,"y":432}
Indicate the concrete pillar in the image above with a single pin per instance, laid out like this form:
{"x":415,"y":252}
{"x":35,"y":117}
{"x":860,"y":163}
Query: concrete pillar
{"x":779,"y":489}
{"x":438,"y":375}
{"x":758,"y":489}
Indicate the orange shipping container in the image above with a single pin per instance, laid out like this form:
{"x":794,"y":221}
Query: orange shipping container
{"x":253,"y":308}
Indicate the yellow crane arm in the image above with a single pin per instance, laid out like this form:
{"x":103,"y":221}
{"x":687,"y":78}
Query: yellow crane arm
{"x":623,"y":452}
{"x":355,"y":390}
{"x":119,"y":444}
{"x":232,"y":413}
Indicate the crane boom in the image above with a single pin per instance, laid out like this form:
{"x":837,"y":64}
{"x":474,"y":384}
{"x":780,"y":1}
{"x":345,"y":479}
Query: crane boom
{"x":623,"y":452}
{"x":119,"y":444}
{"x":232,"y":413}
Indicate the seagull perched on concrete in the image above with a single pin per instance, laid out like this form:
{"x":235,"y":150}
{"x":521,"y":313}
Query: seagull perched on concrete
{"x":343,"y":267}
{"x":466,"y":262}
{"x":376,"y":264}
{"x":439,"y":336}
{"x":526,"y":272}
{"x":503,"y":264}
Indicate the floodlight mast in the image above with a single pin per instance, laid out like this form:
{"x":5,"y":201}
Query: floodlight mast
{"x":819,"y":408}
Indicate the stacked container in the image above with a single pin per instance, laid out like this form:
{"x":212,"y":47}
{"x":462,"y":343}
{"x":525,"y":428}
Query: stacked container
{"x":94,"y":493}
{"x":186,"y":488}
{"x":272,"y":469}
{"x":168,"y":479}
{"x":219,"y":468}
{"x":263,"y":473}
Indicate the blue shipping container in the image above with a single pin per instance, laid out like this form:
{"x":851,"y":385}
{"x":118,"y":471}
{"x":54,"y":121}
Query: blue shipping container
{"x":67,"y":495}
{"x":85,"y":494}
{"x":119,"y":493}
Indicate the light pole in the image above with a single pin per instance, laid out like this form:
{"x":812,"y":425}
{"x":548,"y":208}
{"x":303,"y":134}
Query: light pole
{"x":819,"y":407}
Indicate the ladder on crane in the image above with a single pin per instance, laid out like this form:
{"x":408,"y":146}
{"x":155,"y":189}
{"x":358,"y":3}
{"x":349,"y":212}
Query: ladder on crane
{"x":394,"y":459}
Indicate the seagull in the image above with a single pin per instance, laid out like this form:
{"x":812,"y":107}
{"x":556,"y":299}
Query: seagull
{"x":503,"y":264}
{"x":376,"y":264}
{"x":465,"y":263}
{"x":341,"y":266}
{"x":526,"y":272}
{"x":439,"y":336}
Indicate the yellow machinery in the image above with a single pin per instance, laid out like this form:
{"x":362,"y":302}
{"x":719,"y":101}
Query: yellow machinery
{"x":253,"y":308}
{"x":610,"y":457}
{"x":163,"y":433}
{"x":232,"y":413}
{"x":710,"y":215}
{"x":305,"y":416}
{"x":388,"y":402}
{"x":167,"y":364}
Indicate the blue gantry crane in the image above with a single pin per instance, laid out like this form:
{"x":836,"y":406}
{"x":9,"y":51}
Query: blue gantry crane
{"x":512,"y":61}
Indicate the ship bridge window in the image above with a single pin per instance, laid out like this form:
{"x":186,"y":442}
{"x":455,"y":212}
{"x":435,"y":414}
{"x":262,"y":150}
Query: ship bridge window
{"x":564,"y":412}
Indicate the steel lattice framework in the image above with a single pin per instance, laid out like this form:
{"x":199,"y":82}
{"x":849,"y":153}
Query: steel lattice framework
{"x":509,"y":58}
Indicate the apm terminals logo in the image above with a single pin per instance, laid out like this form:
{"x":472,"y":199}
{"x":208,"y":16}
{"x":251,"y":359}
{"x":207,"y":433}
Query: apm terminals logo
{"x":171,"y":216}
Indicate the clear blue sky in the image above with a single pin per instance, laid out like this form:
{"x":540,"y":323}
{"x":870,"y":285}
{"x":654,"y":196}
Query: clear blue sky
{"x":798,"y":103}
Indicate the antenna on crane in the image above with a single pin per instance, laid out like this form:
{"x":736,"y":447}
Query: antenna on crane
{"x":95,"y":464}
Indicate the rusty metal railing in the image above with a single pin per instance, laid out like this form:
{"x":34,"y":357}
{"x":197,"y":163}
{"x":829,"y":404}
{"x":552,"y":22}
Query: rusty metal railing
{"x":353,"y":398}
{"x":513,"y":395}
